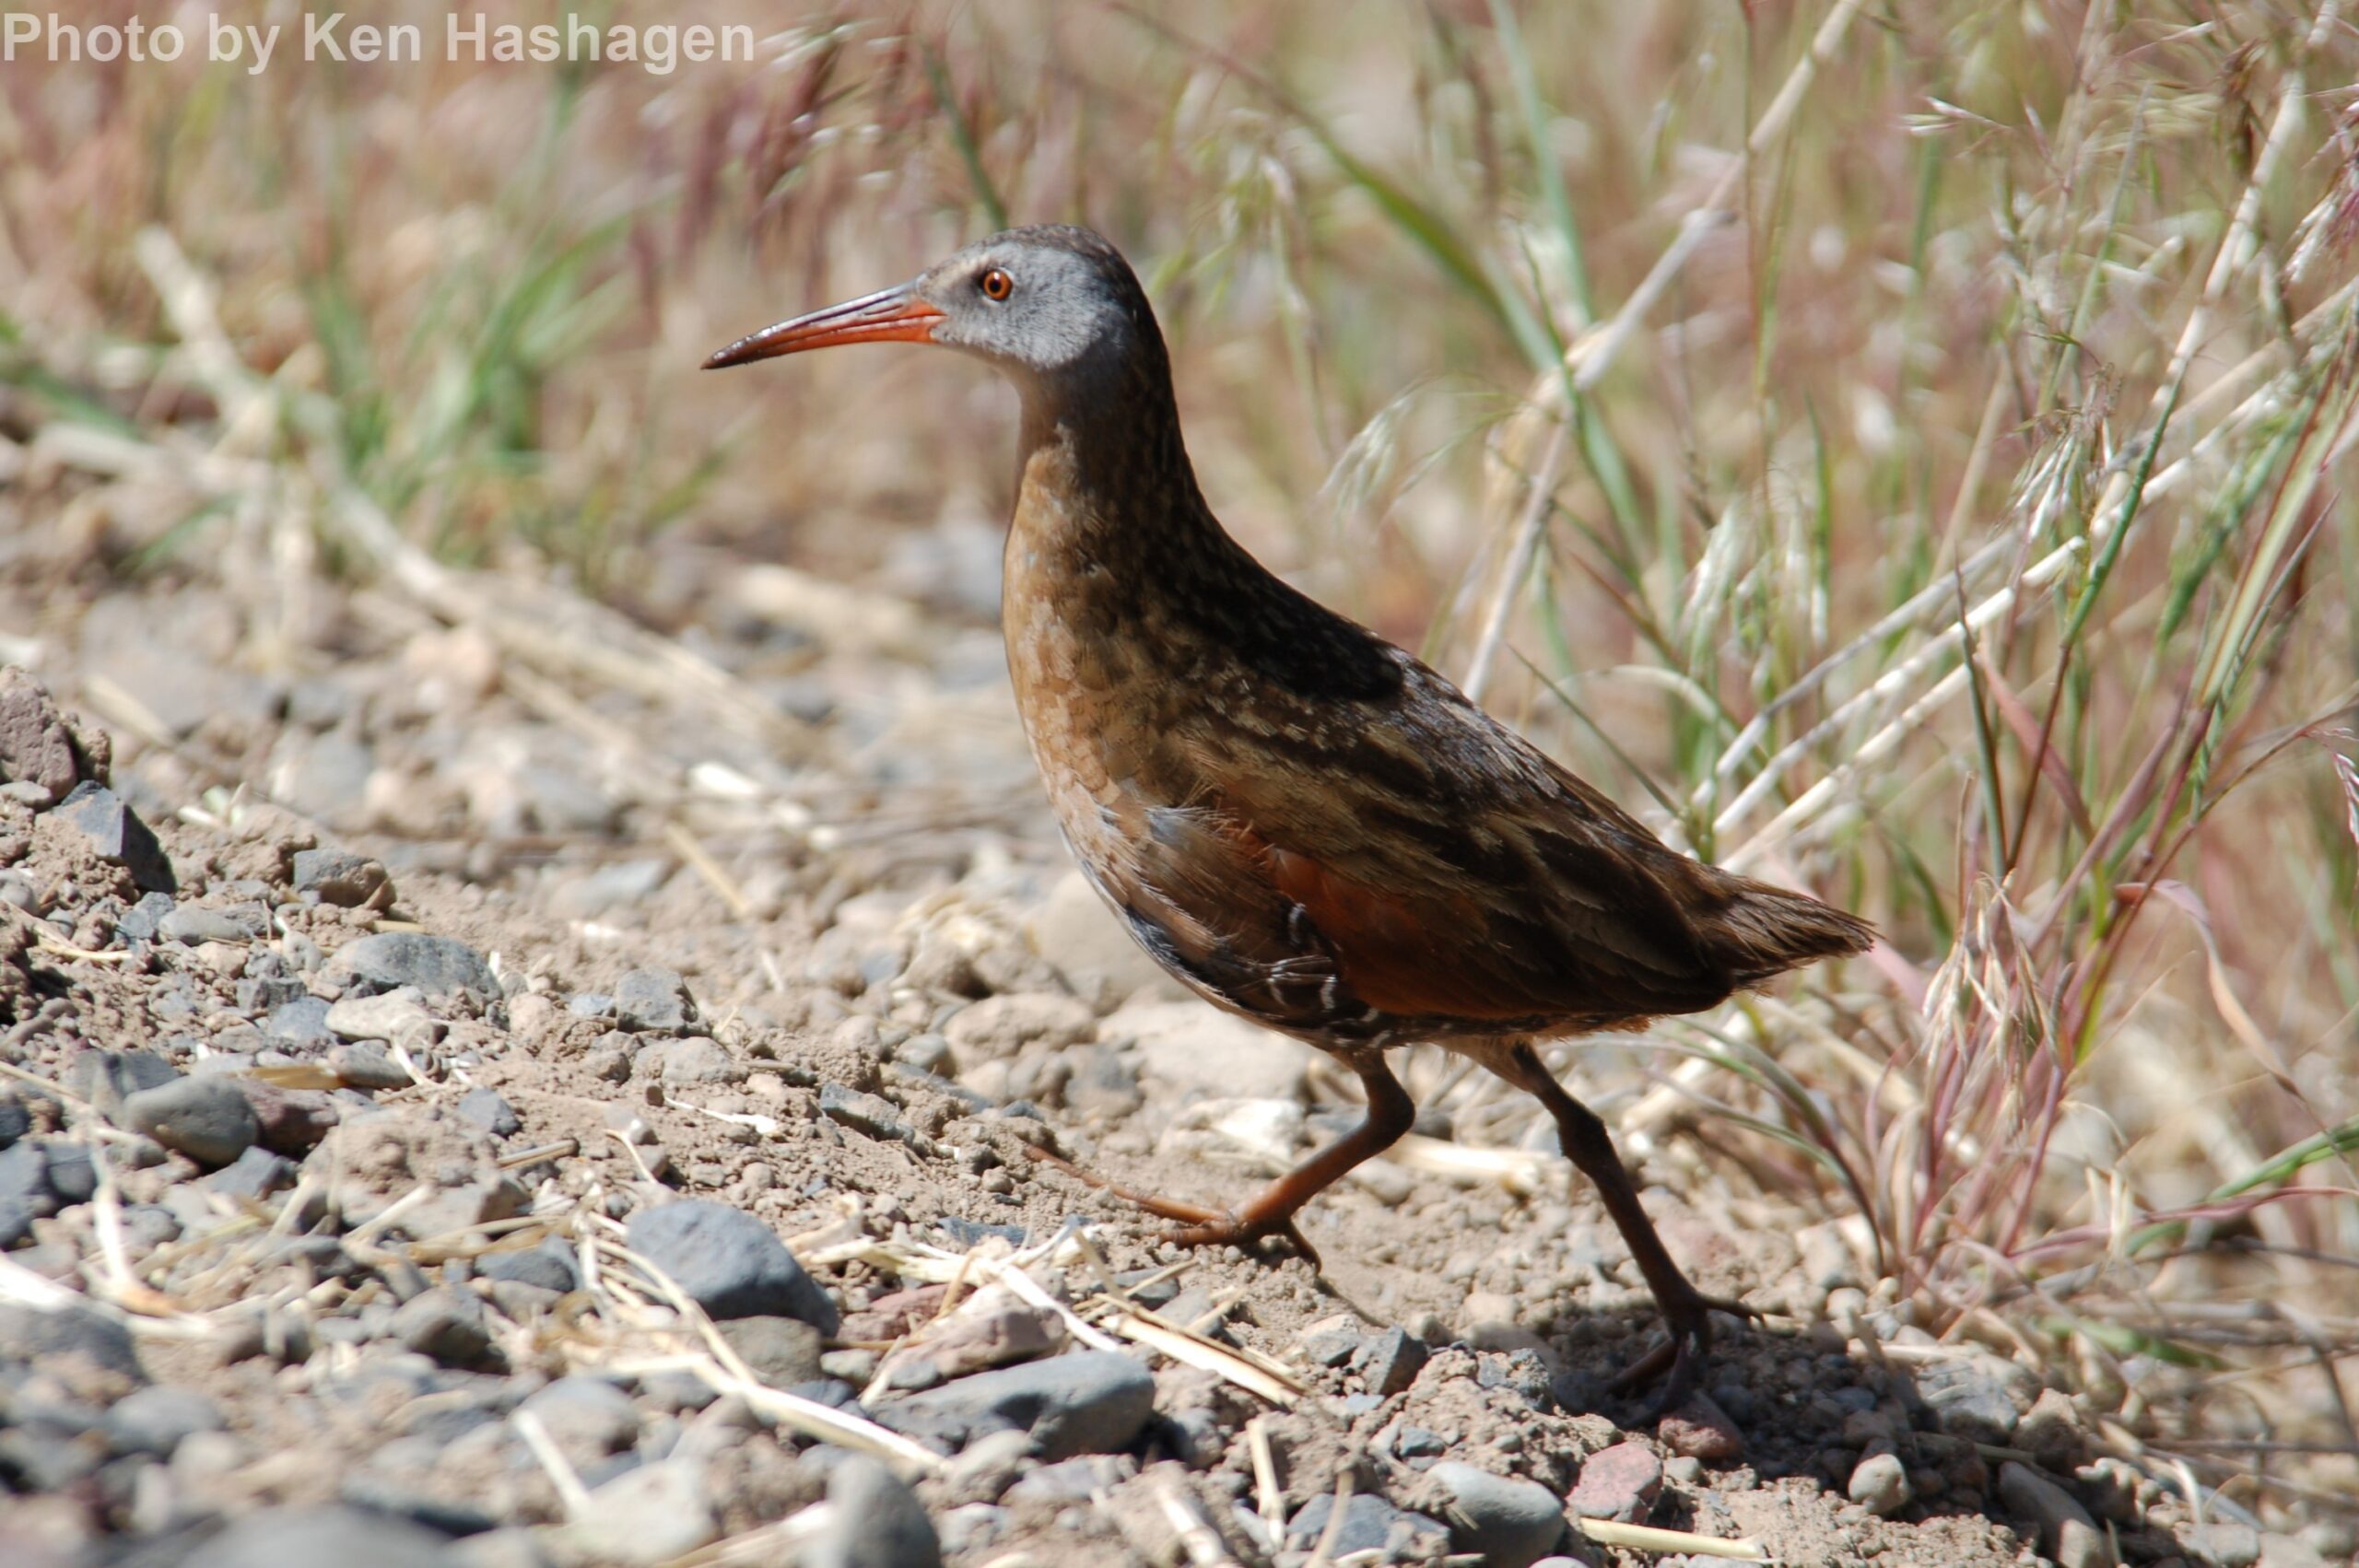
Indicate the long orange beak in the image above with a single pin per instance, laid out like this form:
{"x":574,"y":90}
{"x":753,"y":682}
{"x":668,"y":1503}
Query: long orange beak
{"x":891,"y":315}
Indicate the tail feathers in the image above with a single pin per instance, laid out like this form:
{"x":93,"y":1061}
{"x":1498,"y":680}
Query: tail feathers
{"x":1758,"y":932}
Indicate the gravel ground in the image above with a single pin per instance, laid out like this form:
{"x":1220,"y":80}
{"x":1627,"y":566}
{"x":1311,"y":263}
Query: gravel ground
{"x":532,"y":1125}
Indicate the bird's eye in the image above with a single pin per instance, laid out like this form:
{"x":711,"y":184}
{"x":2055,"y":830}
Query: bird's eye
{"x":996,"y":284}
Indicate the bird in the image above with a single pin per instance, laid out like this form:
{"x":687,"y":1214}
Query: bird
{"x":1302,"y":823}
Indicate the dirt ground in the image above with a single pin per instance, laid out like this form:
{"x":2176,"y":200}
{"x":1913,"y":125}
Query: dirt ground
{"x":889,"y":986}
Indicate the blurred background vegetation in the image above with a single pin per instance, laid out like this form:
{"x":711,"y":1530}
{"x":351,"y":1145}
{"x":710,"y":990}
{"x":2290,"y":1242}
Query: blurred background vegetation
{"x":1902,"y":447}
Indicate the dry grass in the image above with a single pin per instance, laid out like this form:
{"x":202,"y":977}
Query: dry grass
{"x":1906,"y":445}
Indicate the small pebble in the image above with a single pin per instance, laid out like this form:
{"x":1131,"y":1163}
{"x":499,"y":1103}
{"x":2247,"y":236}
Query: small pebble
{"x":155,"y":1420}
{"x":1512,"y":1523}
{"x":338,"y":876}
{"x":1390,"y":1361}
{"x":387,"y":961}
{"x":875,"y":1521}
{"x":344,"y":1537}
{"x":1090,"y":1402}
{"x":485,"y":1108}
{"x":1370,"y":1524}
{"x":204,"y":1117}
{"x":653,"y":999}
{"x":446,"y":1325}
{"x":1879,"y":1484}
{"x":116,"y":834}
{"x":191,"y":925}
{"x":1619,"y":1483}
{"x":730,"y":1263}
{"x":1701,"y":1429}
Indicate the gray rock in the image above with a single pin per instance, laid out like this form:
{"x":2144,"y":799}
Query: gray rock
{"x":207,"y":1118}
{"x":2066,"y":1531}
{"x":488,"y":1109}
{"x":1390,"y":1362}
{"x":646,"y":1515}
{"x":347,"y":1538}
{"x":70,"y":1174}
{"x":694,"y":1060}
{"x":447,"y":1325}
{"x":302,"y":1022}
{"x":730,"y":1263}
{"x":106,"y":1078}
{"x":25,"y":1192}
{"x":1619,"y":1483}
{"x":154,"y":1420}
{"x":1370,"y":1524}
{"x":1512,"y":1523}
{"x":365,"y":1064}
{"x":341,"y":877}
{"x":14,"y":1122}
{"x":549,"y":1264}
{"x":1420,"y":1443}
{"x":85,"y":1351}
{"x":117,"y":835}
{"x":139,"y":923}
{"x":191,"y":924}
{"x":1979,"y":1395}
{"x":587,"y":1417}
{"x":1333,"y":1345}
{"x":1094,"y":1402}
{"x":653,"y":999}
{"x":1879,"y":1484}
{"x":854,"y":1367}
{"x":928,"y":1053}
{"x":872,"y":1116}
{"x":437,"y":966}
{"x":590,"y":1004}
{"x":253,"y":1176}
{"x":987,"y":1467}
{"x":780,"y":1350}
{"x":875,"y":1521}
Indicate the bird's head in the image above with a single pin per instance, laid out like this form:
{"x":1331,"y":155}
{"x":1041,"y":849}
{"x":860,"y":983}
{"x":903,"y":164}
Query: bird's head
{"x":1056,"y":310}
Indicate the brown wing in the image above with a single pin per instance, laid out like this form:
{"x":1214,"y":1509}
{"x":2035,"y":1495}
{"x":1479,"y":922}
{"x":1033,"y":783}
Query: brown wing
{"x":1414,"y":869}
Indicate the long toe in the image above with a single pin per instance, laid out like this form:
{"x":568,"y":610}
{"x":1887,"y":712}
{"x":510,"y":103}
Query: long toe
{"x":1684,"y":1355}
{"x":1231,"y":1228}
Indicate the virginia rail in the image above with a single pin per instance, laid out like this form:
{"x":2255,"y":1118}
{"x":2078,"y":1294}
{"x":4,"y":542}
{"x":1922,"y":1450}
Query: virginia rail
{"x":1300,"y":821}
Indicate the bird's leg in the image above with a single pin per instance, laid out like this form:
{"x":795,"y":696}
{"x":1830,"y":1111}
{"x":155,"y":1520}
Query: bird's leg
{"x":1271,"y":1211}
{"x":1686,"y":1311}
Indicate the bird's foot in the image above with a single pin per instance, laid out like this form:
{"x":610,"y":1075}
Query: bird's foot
{"x":1233,"y":1227}
{"x":1687,"y":1313}
{"x":1197,"y":1226}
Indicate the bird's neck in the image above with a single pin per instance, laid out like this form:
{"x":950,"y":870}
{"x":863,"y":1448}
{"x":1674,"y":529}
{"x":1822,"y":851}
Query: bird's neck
{"x":1105,"y":487}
